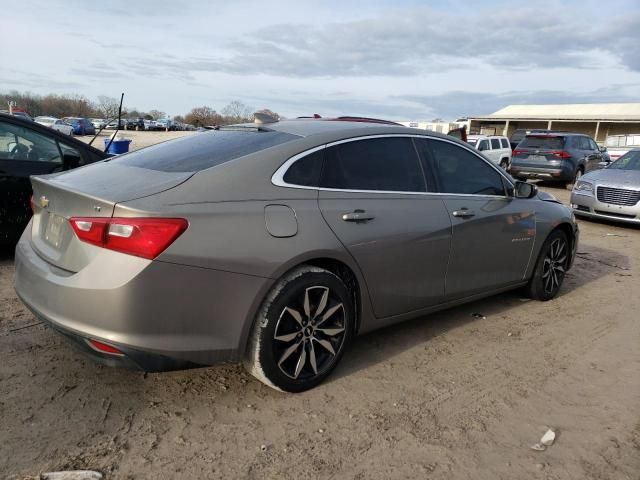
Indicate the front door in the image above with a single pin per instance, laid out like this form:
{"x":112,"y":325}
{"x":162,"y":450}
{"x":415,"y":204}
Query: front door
{"x":492,"y":232}
{"x":372,"y":197}
{"x":23,"y":152}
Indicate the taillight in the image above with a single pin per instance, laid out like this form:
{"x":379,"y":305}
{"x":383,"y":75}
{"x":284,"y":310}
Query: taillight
{"x":518,"y":152}
{"x":142,"y":237}
{"x":561,"y":154}
{"x":104,"y":348}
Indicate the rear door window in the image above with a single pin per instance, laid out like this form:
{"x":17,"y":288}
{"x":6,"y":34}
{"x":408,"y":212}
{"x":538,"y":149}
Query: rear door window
{"x":542,"y":142}
{"x":203,"y":150}
{"x":505,"y":143}
{"x":378,"y":164}
{"x":305,"y":171}
{"x":457,"y":170}
{"x":495,"y":144}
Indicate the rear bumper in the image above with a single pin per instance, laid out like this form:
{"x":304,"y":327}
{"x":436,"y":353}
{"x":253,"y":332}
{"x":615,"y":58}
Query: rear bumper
{"x":589,"y":206}
{"x":559,"y":173}
{"x":161,"y":315}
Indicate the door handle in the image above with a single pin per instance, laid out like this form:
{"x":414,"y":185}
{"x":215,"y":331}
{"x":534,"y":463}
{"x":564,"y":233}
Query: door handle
{"x":464,"y":213}
{"x":357,"y":216}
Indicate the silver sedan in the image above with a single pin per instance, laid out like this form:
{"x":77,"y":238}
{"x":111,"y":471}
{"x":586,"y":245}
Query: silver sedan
{"x":612,"y":193}
{"x":275,"y":244}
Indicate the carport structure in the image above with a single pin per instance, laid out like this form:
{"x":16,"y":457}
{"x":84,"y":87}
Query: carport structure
{"x":595,"y":119}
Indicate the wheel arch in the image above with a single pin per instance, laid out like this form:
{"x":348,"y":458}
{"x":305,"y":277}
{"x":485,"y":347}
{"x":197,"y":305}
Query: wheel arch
{"x":338,"y":267}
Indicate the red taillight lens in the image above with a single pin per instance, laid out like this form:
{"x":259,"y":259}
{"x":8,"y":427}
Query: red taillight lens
{"x":104,"y":348}
{"x":561,"y":154}
{"x":518,"y":152}
{"x":143,"y":237}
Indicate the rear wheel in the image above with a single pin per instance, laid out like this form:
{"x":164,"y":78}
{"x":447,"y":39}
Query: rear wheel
{"x":504,"y":163}
{"x":550,"y":268}
{"x":301,"y":330}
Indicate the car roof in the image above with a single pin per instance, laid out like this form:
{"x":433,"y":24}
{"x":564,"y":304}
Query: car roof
{"x":338,"y":129}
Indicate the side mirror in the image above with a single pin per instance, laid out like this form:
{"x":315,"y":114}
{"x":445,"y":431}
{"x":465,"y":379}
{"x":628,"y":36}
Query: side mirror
{"x":603,"y":149}
{"x":604,"y":164}
{"x":69,"y":161}
{"x":525,"y":190}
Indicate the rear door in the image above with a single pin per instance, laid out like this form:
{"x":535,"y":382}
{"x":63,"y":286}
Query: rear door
{"x":372,"y":196}
{"x":594,"y":155}
{"x":492,"y":232}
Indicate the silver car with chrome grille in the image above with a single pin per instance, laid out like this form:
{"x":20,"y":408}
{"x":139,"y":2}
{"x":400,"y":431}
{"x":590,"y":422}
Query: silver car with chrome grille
{"x":612,"y":193}
{"x":275,"y":244}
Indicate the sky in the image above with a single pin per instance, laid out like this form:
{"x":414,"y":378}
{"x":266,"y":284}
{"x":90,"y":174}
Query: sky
{"x":401,"y":60}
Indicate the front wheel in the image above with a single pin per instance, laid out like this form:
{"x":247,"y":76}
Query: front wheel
{"x":301,"y":331}
{"x":550,"y":268}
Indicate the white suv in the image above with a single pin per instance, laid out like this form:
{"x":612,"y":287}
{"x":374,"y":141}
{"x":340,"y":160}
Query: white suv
{"x":495,"y":148}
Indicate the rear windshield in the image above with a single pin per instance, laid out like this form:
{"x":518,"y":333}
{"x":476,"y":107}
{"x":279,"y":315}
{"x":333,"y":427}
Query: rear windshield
{"x":472,"y":141}
{"x":542,"y":142}
{"x":203,"y":150}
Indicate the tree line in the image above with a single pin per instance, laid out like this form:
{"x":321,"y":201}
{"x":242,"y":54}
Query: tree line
{"x":107,"y":107}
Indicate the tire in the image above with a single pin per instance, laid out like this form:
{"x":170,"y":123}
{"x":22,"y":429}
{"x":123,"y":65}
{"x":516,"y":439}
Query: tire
{"x":294,"y":351}
{"x":576,"y":177}
{"x":504,"y":164}
{"x":550,"y":268}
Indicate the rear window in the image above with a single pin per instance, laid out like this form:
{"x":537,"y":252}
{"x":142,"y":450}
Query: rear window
{"x":542,"y":142}
{"x":495,"y":144}
{"x":203,"y":150}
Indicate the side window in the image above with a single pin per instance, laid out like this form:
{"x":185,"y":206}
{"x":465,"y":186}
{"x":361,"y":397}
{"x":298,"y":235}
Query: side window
{"x":505,"y":143}
{"x":386,"y":164}
{"x":593,"y":144}
{"x":20,"y":143}
{"x":584,"y":143}
{"x":459,"y":171}
{"x":483,"y":145}
{"x":305,"y":171}
{"x":495,"y":144}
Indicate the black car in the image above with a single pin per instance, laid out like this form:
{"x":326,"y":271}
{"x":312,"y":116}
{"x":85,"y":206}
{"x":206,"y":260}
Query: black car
{"x":135,"y":124}
{"x":28,"y":148}
{"x":561,"y":157}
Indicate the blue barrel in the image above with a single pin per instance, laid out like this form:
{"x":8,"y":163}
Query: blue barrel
{"x":117,"y":146}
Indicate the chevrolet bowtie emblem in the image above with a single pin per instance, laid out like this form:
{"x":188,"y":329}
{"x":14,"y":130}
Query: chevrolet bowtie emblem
{"x":44,"y":202}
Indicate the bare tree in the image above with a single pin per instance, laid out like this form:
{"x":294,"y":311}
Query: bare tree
{"x":108,"y":106}
{"x":236,"y":112}
{"x":203,"y":117}
{"x":157,"y":114}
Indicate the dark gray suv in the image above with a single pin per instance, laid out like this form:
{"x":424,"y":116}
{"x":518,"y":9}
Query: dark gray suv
{"x":562,"y":157}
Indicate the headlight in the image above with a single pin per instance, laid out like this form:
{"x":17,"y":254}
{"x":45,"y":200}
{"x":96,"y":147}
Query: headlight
{"x":583,"y":187}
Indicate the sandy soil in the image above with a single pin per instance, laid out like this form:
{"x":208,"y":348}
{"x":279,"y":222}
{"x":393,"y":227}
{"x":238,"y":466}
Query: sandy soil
{"x":440,"y":397}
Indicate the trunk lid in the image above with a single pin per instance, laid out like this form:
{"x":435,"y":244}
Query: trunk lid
{"x":91,"y":191}
{"x":541,"y":150}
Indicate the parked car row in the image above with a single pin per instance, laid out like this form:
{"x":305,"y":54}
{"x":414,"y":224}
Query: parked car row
{"x":55,"y":123}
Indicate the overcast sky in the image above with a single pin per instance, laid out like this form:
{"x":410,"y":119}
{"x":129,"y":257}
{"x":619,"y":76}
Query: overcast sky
{"x":402,"y":59}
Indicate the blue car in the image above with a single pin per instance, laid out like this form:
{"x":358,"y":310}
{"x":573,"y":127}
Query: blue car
{"x":81,"y":126}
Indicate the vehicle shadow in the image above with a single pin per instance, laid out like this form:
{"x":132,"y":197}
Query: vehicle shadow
{"x":6,"y":255}
{"x":592,"y":263}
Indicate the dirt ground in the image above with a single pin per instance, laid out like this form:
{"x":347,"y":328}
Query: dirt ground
{"x":441,"y":397}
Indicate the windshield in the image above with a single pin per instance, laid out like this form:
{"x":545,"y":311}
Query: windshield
{"x":628,"y":161}
{"x":542,"y":142}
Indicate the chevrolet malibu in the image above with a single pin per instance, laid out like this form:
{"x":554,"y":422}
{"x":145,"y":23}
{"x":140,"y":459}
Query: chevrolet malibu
{"x":275,"y":244}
